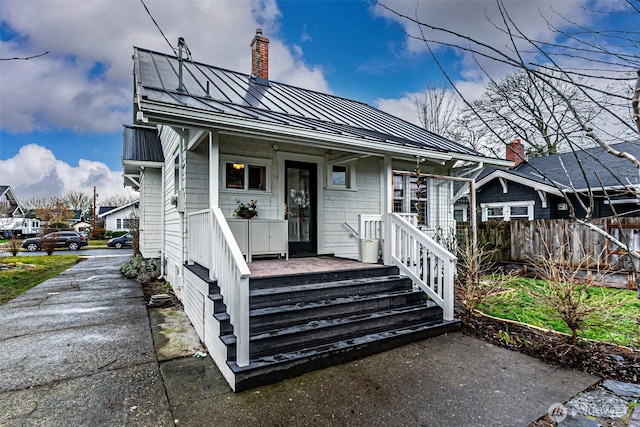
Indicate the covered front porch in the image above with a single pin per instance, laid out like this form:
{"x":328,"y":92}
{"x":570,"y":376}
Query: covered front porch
{"x":311,"y":307}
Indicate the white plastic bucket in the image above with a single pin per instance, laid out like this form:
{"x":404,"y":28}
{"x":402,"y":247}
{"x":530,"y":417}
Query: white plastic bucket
{"x":369,"y":250}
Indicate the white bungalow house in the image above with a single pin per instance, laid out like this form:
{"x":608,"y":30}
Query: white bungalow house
{"x":265,"y":294}
{"x":121,"y":218}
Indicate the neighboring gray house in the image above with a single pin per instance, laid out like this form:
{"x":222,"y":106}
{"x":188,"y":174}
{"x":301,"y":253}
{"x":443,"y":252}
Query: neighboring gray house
{"x":324,"y":172}
{"x":536,"y":188}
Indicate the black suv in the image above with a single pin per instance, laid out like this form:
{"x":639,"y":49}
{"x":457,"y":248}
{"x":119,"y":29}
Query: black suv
{"x":63,"y":239}
{"x":120,"y":242}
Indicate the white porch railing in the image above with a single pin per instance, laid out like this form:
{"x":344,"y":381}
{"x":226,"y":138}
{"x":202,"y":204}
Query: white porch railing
{"x":372,"y":226}
{"x":430,"y":266}
{"x":212,"y":245}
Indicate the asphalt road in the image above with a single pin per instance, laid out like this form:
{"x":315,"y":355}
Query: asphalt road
{"x":81,"y":252}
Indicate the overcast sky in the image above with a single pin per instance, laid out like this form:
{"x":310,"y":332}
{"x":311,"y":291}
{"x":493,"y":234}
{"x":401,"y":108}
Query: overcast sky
{"x":61,"y":114}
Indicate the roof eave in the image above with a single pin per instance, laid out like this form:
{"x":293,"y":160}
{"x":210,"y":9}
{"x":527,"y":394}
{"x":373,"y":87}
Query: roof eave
{"x":520,"y":180}
{"x":166,"y":114}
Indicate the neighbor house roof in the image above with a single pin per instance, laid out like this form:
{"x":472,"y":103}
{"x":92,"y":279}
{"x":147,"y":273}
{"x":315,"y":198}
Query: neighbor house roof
{"x":574,"y":171}
{"x":237,"y":101}
{"x":14,"y":207}
{"x":103,"y":209}
{"x":118,"y":209}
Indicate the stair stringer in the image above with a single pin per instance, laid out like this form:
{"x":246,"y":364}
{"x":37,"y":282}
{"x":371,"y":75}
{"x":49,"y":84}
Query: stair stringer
{"x":198,"y":289}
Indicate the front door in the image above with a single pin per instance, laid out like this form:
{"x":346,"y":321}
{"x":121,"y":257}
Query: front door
{"x":300,"y":199}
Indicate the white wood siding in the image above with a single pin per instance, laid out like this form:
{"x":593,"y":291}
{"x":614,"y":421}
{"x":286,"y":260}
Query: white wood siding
{"x":151,"y":213}
{"x":197,"y":179}
{"x":173,"y":224}
{"x":239,"y":148}
{"x":342,"y":206}
{"x":111,"y":221}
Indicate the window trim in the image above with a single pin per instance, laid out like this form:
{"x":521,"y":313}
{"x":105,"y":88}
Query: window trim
{"x":350,"y":179}
{"x":247,"y":162}
{"x":407,"y":200}
{"x":506,"y":209}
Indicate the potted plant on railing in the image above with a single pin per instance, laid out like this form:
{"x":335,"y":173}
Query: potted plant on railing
{"x":246,"y":211}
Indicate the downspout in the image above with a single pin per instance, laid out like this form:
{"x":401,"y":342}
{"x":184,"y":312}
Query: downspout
{"x":182,"y":202}
{"x":162,"y":211}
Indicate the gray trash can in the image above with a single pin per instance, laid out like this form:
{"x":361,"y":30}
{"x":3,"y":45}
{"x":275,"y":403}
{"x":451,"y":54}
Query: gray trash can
{"x":369,"y":249}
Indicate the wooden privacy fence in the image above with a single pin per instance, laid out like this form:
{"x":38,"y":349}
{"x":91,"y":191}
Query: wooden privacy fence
{"x":525,"y":241}
{"x":493,"y":236}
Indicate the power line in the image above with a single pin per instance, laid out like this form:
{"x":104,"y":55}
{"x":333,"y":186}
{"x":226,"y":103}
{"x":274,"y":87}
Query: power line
{"x":158,"y":26}
{"x":24,"y":58}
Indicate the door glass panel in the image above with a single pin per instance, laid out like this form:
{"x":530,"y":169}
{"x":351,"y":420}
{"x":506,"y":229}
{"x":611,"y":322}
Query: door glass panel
{"x":299,"y":205}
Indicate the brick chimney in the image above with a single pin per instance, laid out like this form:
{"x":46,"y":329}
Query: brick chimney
{"x":515,"y":152}
{"x":260,"y":56}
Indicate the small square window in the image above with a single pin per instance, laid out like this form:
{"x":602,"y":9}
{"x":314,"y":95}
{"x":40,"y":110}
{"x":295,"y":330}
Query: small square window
{"x":339,"y":175}
{"x":235,"y":175}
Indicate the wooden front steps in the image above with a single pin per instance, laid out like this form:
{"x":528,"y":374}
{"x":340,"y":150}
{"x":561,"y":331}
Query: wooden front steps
{"x":309,"y":321}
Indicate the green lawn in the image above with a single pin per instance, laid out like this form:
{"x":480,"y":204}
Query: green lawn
{"x":619,"y":324}
{"x":96,"y":244}
{"x":14,"y":282}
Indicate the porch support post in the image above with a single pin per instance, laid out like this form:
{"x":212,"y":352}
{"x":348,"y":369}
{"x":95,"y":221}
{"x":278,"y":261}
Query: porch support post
{"x":387,"y":208}
{"x":387,"y":186}
{"x":448,"y":295}
{"x":214,"y":166}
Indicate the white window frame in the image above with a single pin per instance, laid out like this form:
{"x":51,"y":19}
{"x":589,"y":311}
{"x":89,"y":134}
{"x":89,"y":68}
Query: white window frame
{"x":506,"y":210}
{"x":350,"y":180}
{"x":464,"y":209}
{"x":118,"y":223}
{"x":407,"y":201}
{"x":246,"y":161}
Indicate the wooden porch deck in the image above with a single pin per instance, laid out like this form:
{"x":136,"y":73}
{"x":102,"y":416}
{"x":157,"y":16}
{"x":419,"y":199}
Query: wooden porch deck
{"x":279,"y":267}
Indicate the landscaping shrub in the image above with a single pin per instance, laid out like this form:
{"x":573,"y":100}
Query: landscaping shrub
{"x":474,"y":282}
{"x":98,"y":233}
{"x":13,"y":245}
{"x":59,"y":226}
{"x":143,"y":270}
{"x":118,"y":233}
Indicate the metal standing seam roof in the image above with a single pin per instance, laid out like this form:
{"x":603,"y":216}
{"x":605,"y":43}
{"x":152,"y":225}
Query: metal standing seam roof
{"x":141,"y":144}
{"x":236,"y":94}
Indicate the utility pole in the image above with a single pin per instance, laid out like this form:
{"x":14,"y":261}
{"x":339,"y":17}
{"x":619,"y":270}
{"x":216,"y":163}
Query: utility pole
{"x":94,"y":207}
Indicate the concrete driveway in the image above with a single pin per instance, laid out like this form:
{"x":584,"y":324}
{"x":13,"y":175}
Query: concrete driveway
{"x":77,"y":350}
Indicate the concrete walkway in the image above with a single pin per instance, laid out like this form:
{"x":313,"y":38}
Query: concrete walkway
{"x":78,"y":350}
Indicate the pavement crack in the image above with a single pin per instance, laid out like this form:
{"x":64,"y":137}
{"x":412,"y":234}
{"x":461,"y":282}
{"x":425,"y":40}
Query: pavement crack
{"x":107,"y":364}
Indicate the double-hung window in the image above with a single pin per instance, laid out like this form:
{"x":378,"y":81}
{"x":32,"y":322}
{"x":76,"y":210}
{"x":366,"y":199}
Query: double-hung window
{"x":245,"y":174}
{"x":506,"y":211}
{"x":410,"y":196}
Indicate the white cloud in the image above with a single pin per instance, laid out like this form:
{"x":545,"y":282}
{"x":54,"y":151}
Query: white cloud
{"x":480,"y":20}
{"x":404,"y":107}
{"x":84,"y":83}
{"x":36,"y":172}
